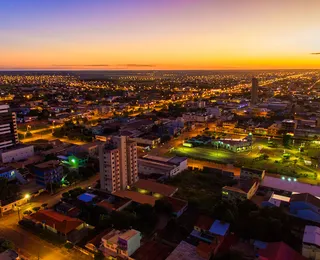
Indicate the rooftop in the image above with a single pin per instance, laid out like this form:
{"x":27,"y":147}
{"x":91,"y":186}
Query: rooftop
{"x":155,"y":187}
{"x":129,"y":234}
{"x":184,"y":251}
{"x":306,"y":197}
{"x":204,"y":222}
{"x":136,"y":197}
{"x":61,"y":223}
{"x":219,"y":228}
{"x":86,"y":197}
{"x":48,"y":165}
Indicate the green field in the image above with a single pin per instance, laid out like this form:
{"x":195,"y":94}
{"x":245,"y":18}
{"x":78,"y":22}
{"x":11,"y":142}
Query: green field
{"x":275,"y":163}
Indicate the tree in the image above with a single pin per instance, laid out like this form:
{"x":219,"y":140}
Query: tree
{"x":165,"y":138}
{"x":286,"y":140}
{"x":163,"y":206}
{"x":99,"y":256}
{"x":8,"y":190}
{"x":5,"y":245}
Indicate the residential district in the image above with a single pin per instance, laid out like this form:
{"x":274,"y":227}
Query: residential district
{"x":160,"y":165}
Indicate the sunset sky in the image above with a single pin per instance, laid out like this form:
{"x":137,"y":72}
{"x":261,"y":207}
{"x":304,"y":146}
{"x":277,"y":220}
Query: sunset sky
{"x":159,"y":34}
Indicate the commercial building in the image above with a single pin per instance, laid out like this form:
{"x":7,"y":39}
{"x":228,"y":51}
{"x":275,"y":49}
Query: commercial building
{"x":288,"y":125}
{"x":162,"y":165}
{"x":17,"y":153}
{"x":235,"y":146}
{"x":121,"y":243}
{"x":254,"y":91}
{"x":118,"y":164}
{"x":196,"y":117}
{"x":8,"y":127}
{"x":48,"y":172}
{"x":311,"y":243}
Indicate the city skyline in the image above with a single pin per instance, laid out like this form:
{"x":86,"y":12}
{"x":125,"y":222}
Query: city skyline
{"x":156,"y":35}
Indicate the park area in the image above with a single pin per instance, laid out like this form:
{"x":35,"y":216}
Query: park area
{"x":271,"y":156}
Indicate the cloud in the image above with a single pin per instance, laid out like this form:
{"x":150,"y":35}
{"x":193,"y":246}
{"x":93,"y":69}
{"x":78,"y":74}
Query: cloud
{"x":81,"y":65}
{"x":137,"y":65}
{"x":315,"y":53}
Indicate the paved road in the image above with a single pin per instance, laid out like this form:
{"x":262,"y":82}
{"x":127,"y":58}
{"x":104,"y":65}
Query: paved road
{"x":29,"y":244}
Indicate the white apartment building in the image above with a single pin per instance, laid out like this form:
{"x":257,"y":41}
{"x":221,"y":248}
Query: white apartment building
{"x":118,"y":164}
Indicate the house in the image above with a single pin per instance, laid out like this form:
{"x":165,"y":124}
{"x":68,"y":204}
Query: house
{"x":311,"y":243}
{"x":305,"y":206}
{"x":279,"y":251}
{"x":122,"y":243}
{"x":245,"y":190}
{"x":185,"y":251}
{"x":71,"y":229}
{"x":48,"y":172}
{"x":210,"y":231}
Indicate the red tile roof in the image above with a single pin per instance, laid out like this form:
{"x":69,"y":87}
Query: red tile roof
{"x":280,"y":251}
{"x":61,"y":223}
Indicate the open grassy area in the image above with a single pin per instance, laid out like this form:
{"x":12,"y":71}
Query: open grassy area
{"x":200,"y":189}
{"x":274,"y":162}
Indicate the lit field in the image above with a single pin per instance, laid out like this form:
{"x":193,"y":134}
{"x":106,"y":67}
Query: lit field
{"x":275,"y":163}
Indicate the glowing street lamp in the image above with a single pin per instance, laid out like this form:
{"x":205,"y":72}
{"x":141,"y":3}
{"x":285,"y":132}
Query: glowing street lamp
{"x":27,"y":196}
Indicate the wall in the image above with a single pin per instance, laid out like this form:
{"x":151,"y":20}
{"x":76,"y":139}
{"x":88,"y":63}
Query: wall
{"x":17,"y":154}
{"x":311,"y":252}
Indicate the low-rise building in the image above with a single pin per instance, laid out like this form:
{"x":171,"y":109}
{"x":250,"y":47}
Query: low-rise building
{"x":17,"y":153}
{"x":71,"y":229}
{"x":196,"y":117}
{"x":162,"y":165}
{"x":121,"y":243}
{"x":311,"y":243}
{"x":48,"y":172}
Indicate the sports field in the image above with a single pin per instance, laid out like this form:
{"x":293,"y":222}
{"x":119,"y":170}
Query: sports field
{"x":261,"y":157}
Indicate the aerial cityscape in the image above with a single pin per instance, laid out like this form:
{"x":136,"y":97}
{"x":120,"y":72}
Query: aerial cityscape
{"x":160,"y":130}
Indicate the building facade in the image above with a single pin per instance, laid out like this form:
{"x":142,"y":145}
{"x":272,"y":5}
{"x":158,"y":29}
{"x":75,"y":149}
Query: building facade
{"x":48,"y":172}
{"x":118,"y":164}
{"x":254,"y":91}
{"x":17,"y":153}
{"x":8,"y":127}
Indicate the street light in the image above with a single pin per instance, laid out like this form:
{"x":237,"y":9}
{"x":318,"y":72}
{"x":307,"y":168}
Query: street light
{"x":27,"y":196}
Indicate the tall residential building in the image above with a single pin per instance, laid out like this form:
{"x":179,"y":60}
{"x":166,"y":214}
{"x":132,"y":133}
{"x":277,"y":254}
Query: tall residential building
{"x":254,"y":91}
{"x":8,"y":127}
{"x":118,"y":164}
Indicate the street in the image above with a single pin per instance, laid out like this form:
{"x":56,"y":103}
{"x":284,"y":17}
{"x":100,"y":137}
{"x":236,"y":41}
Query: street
{"x":28,"y":244}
